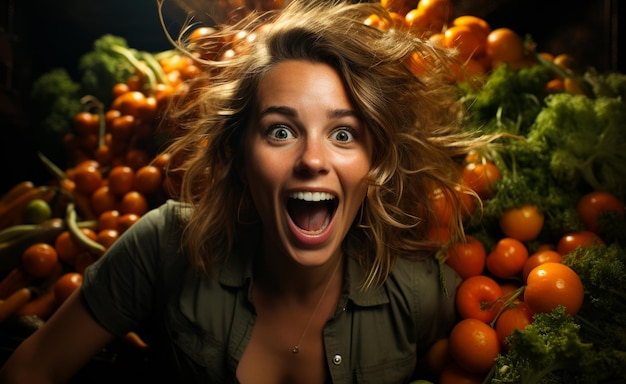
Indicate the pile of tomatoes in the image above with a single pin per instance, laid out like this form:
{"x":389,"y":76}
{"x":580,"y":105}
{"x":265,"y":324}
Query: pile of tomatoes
{"x":504,"y":286}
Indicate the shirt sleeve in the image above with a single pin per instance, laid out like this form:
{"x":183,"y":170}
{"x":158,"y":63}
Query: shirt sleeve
{"x":120,"y":287}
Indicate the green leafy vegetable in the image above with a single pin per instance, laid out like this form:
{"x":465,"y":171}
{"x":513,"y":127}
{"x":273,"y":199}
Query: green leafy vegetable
{"x":552,"y":350}
{"x":104,"y":66}
{"x":55,"y":100}
{"x":585,"y":139}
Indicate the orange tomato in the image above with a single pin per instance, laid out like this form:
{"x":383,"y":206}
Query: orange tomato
{"x":522,"y":223}
{"x":134,"y":202}
{"x":121,"y":180}
{"x":570,"y":241}
{"x":442,"y":207}
{"x":137,"y":158}
{"x":467,"y":258}
{"x":107,"y":237}
{"x":552,"y":284}
{"x":67,"y":247}
{"x":453,"y":374}
{"x":40,"y":260}
{"x":478,"y":297}
{"x":507,"y":259}
{"x":480,"y":26}
{"x":538,"y":258}
{"x":87,"y":179}
{"x":108,"y":219}
{"x":86,"y":123}
{"x":437,"y":9}
{"x":592,"y":206}
{"x":103,"y":200}
{"x":504,"y":46}
{"x":438,"y":356}
{"x":399,"y":6}
{"x":148,"y":179}
{"x":518,"y":316}
{"x":474,"y":345}
{"x":465,"y":40}
{"x":481,"y":177}
{"x":126,"y":220}
{"x":66,"y":285}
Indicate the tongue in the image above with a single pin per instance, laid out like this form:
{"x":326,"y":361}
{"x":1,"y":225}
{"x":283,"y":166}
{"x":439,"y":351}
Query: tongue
{"x":309,"y":216}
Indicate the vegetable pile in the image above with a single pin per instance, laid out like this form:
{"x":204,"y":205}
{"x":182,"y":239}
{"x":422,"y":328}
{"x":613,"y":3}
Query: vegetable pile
{"x":544,"y":259}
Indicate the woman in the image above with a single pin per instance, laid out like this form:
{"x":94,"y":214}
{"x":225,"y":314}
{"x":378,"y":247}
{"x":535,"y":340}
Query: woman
{"x":299,"y":252}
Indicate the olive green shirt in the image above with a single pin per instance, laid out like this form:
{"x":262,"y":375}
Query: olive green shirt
{"x":198,"y":327}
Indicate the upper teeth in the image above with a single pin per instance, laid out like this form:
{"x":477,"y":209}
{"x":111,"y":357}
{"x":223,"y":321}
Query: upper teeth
{"x":312,"y":196}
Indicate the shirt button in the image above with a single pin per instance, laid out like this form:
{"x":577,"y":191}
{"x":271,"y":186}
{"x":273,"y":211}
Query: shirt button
{"x":337,"y":359}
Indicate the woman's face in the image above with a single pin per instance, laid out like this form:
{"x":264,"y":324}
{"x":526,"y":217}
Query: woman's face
{"x":306,"y":157}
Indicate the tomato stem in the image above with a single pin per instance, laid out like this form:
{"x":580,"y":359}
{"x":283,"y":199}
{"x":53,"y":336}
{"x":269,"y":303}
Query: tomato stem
{"x":510,"y":299}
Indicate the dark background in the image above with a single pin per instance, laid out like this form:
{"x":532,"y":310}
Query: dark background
{"x":38,"y":35}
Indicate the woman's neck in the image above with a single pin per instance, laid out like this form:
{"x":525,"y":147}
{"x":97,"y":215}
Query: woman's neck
{"x":283,"y":277}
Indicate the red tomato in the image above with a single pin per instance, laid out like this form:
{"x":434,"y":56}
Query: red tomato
{"x":591,"y":206}
{"x":570,"y":241}
{"x":474,"y":345}
{"x":478,"y":297}
{"x":438,"y":356}
{"x":540,"y":257}
{"x":507,"y":259}
{"x":518,"y":316}
{"x":65,"y":285}
{"x":481,"y":177}
{"x":467,"y":258}
{"x":40,"y":260}
{"x":552,"y":284}
{"x":523,"y":223}
{"x":442,"y":208}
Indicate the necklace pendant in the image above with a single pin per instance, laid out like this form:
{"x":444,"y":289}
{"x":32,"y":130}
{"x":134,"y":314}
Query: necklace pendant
{"x":295,"y":349}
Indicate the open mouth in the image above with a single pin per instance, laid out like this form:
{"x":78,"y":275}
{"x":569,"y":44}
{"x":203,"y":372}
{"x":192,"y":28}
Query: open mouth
{"x":312,"y":211}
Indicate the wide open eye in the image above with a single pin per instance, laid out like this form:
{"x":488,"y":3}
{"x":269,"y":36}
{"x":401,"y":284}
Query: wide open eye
{"x":343,"y":135}
{"x":280,"y":132}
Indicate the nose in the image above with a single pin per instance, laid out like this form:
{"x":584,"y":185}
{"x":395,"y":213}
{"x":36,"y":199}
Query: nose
{"x":313,"y":157}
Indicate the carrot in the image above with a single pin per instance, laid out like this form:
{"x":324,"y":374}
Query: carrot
{"x":15,"y":280}
{"x":42,"y":306}
{"x":11,"y":212}
{"x":14,"y":302}
{"x":16,"y":191}
{"x":135,"y":340}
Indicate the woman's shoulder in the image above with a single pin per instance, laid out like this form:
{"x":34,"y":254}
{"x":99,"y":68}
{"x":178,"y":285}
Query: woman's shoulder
{"x":423,"y":273}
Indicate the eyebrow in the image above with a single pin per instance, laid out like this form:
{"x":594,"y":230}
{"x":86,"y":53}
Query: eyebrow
{"x":288,"y":111}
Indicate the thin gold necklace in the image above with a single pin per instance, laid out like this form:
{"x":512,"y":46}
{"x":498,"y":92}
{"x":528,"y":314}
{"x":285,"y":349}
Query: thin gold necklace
{"x":296,"y":348}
